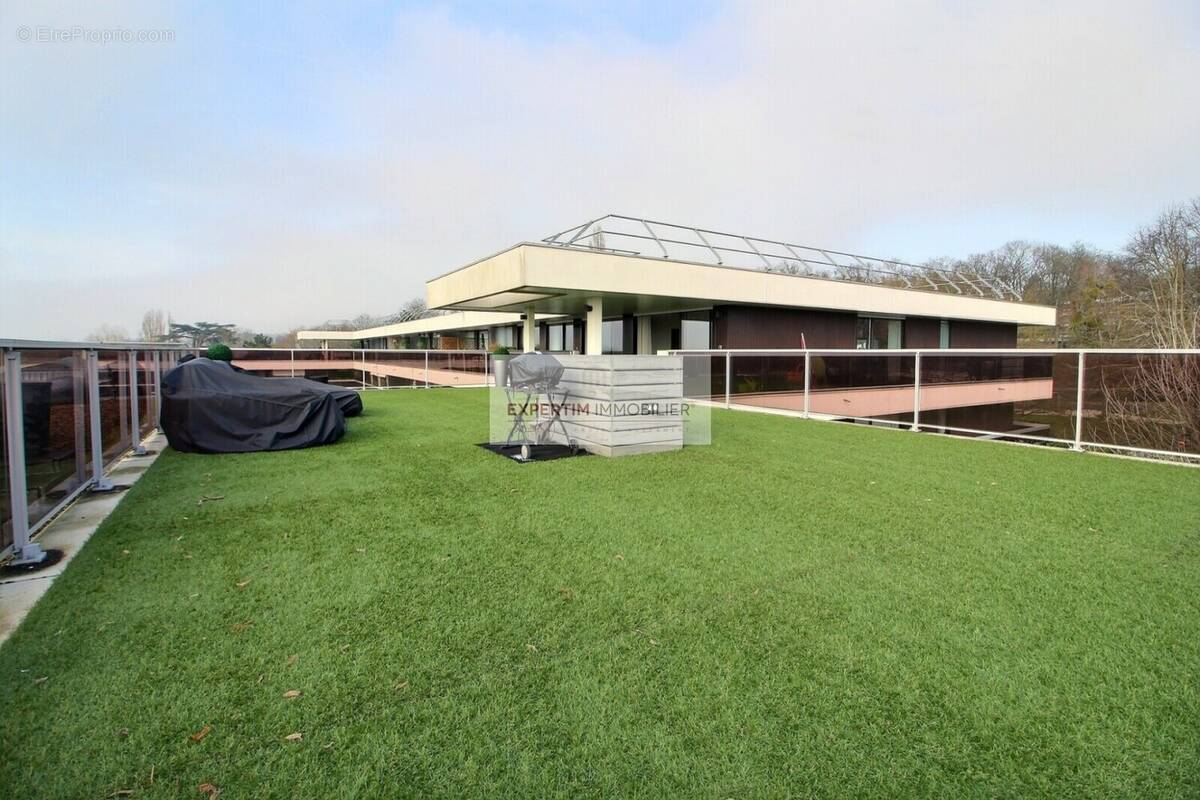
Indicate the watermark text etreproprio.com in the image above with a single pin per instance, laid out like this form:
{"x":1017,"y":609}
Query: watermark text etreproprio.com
{"x":52,"y":34}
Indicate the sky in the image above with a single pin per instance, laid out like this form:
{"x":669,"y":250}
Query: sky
{"x":275,"y":166}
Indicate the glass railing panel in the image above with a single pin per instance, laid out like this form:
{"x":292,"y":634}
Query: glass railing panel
{"x":871,"y":388}
{"x":113,"y":371}
{"x":54,"y":397}
{"x":268,"y":363}
{"x":1143,"y":400}
{"x":5,"y":497}
{"x":146,"y":393}
{"x":396,"y":368}
{"x":339,"y":367}
{"x":1004,"y":395}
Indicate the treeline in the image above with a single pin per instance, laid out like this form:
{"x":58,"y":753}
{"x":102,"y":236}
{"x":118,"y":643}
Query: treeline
{"x":1145,"y":295}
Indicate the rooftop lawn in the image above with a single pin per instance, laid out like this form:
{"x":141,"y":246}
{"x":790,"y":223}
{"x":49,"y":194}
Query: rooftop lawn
{"x":802,"y":608}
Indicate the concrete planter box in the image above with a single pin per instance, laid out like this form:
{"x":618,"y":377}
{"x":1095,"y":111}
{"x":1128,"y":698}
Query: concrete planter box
{"x":622,"y":405}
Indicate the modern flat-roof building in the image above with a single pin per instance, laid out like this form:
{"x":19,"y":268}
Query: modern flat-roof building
{"x":626,"y":285}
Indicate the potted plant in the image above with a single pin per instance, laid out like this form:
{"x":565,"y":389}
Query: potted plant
{"x":219,"y":352}
{"x":500,"y":356}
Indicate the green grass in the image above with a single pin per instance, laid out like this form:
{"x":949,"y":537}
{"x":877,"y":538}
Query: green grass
{"x":801,"y":609}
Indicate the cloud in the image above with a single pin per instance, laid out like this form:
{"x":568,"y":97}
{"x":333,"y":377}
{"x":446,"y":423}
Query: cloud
{"x":274,"y":178}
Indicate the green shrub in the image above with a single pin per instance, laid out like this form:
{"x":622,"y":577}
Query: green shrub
{"x":219,"y":352}
{"x":500,"y":350}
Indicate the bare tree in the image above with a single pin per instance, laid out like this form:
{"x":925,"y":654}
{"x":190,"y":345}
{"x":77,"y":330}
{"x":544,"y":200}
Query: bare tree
{"x":109,"y":333}
{"x":154,"y":326}
{"x":1164,"y":261}
{"x":1156,"y":401}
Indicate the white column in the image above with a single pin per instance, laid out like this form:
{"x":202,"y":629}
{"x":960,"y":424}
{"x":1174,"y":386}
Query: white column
{"x":595,"y":327}
{"x":645,"y":346}
{"x":530,"y":334}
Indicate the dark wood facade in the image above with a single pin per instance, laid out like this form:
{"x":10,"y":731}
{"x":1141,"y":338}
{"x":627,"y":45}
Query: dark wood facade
{"x":766,"y":327}
{"x":982,"y":334}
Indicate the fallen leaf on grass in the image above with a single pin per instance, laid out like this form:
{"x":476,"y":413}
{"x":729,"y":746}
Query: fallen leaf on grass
{"x":208,"y":789}
{"x":400,"y":687}
{"x":531,"y":648}
{"x":292,"y":659}
{"x":243,"y":584}
{"x":125,"y":552}
{"x":208,"y":498}
{"x":360,"y":549}
{"x":620,"y":557}
{"x":294,"y":737}
{"x":238,"y":627}
{"x":288,"y":695}
{"x":123,"y":733}
{"x":120,"y":793}
{"x":200,"y":734}
{"x":43,"y":679}
{"x":193,"y":596}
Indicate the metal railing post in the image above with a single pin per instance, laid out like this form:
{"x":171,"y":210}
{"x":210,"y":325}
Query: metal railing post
{"x":486,"y":369}
{"x":728,"y":375}
{"x":158,"y":390}
{"x":807,"y":380}
{"x":363,"y":352}
{"x":426,"y":369}
{"x":24,"y":551}
{"x":134,"y":422}
{"x":1079,"y":407}
{"x":100,"y":483}
{"x":292,"y":354}
{"x":916,"y":423}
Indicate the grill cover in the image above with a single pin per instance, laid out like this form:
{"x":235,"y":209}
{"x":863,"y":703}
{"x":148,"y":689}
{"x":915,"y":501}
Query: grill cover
{"x":208,"y":407}
{"x":533,"y":369}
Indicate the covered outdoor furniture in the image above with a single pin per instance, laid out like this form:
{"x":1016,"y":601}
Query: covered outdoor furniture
{"x":348,"y":400}
{"x":208,"y":407}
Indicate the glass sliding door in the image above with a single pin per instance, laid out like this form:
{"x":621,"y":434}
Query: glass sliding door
{"x":878,"y":333}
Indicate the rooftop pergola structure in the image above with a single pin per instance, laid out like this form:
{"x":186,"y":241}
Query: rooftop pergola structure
{"x":616,"y":233}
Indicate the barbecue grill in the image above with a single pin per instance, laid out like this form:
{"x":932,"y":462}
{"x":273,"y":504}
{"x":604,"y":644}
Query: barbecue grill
{"x":532,"y":377}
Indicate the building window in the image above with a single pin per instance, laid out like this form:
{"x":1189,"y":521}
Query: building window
{"x":613,"y":336}
{"x":877,"y":333}
{"x":506,"y":336}
{"x":560,"y":337}
{"x":696,"y":331}
{"x":944,"y":334}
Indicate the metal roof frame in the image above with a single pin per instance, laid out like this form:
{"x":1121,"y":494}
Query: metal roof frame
{"x":633,"y":233}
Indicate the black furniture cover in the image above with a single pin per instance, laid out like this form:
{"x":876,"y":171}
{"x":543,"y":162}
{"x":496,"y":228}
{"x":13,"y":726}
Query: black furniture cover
{"x":348,"y":400}
{"x":208,"y":407}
